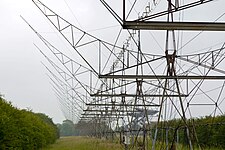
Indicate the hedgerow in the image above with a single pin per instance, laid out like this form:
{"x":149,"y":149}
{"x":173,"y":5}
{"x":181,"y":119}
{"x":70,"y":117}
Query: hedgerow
{"x":206,"y":131}
{"x":23,"y":129}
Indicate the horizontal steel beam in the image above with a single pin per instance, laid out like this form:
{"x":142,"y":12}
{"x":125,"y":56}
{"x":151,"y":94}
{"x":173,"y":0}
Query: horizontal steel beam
{"x":199,"y":104}
{"x":134,"y":95}
{"x":94,"y":117}
{"x":109,"y":111}
{"x":126,"y":105}
{"x":108,"y":114}
{"x":162,"y":77}
{"x":162,"y":25}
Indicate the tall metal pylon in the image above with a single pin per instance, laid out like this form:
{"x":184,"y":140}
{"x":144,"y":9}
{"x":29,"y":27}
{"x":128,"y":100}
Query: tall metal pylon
{"x":133,"y":94}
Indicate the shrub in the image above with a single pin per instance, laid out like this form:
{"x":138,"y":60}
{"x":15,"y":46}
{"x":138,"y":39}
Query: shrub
{"x":22,"y":129}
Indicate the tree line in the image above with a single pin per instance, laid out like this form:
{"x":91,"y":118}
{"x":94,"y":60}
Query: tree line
{"x":208,"y":131}
{"x":24,"y":129}
{"x":83,"y":128}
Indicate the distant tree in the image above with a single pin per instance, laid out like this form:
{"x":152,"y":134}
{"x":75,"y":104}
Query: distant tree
{"x":90,"y":128}
{"x":67,"y":128}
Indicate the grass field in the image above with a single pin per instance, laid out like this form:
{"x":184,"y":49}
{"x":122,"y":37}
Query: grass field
{"x":83,"y":143}
{"x":88,"y":143}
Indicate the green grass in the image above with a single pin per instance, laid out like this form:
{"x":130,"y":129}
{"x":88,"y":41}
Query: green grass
{"x":88,"y":143}
{"x":83,"y":143}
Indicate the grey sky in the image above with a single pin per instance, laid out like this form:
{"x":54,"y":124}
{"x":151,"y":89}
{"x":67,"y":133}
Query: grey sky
{"x":23,"y":79}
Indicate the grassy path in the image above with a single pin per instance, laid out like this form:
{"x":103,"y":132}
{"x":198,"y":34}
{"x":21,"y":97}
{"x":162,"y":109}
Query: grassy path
{"x":83,"y":143}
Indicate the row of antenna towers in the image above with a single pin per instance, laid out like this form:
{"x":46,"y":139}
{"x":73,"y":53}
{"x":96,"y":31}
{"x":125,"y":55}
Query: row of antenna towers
{"x":127,"y":93}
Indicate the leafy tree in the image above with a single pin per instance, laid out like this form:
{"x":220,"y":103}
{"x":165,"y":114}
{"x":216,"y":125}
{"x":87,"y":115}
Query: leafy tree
{"x":67,"y":128}
{"x":22,"y":129}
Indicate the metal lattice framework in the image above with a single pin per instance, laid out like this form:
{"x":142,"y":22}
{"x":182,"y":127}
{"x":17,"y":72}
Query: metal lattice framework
{"x":127,"y":91}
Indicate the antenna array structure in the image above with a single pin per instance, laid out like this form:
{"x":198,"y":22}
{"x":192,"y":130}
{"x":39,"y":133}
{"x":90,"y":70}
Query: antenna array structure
{"x":128,"y":93}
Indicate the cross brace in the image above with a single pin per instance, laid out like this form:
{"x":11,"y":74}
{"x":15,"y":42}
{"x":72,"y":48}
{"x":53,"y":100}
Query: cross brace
{"x":109,"y":111}
{"x":125,"y":105}
{"x":100,"y":115}
{"x":94,"y":117}
{"x":134,"y":95}
{"x":162,"y":25}
{"x":162,"y":77}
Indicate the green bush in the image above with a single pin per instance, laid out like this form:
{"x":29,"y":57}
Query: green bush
{"x":22,"y":129}
{"x":207,"y":131}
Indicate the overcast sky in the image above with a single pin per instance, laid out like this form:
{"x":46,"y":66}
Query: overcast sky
{"x":23,"y":79}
